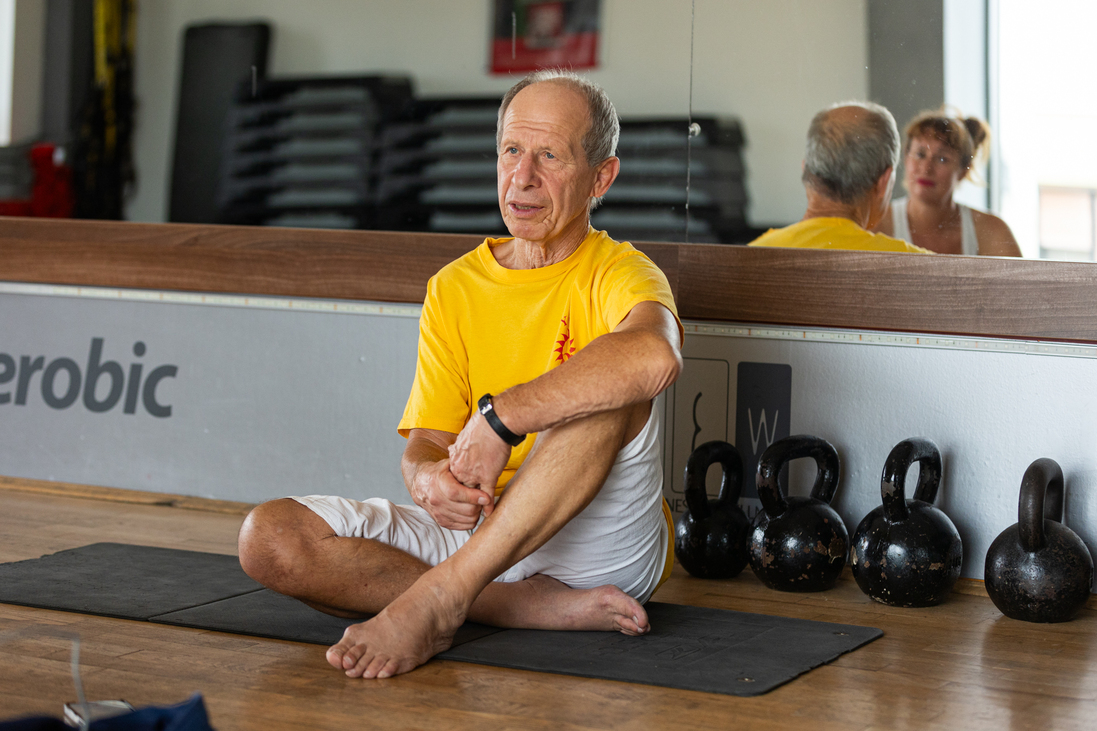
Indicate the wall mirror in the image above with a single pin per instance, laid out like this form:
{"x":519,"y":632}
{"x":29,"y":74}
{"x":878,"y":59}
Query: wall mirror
{"x":769,"y":66}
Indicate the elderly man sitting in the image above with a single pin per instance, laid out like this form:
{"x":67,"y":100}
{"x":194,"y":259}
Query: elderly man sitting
{"x":560,"y":331}
{"x":849,"y":172}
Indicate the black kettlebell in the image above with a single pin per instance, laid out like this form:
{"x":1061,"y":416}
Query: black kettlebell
{"x":798,"y":543}
{"x":1039,"y":570}
{"x":710,"y":538}
{"x":907,"y":553}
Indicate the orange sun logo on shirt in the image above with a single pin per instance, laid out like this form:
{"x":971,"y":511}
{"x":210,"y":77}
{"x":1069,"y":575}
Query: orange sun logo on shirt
{"x":565,"y":346}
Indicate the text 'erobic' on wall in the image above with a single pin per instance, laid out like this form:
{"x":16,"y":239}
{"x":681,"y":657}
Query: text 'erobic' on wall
{"x":103,"y":384}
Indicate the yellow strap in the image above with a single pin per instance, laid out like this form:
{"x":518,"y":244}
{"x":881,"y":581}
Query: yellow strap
{"x":668,"y":564}
{"x":101,"y":9}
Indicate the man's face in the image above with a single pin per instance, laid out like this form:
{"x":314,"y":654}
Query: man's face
{"x":545,"y":183}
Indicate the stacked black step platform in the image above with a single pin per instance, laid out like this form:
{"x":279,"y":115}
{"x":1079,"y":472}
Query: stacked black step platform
{"x":302,"y":151}
{"x":659,"y":163}
{"x":361,"y":153}
{"x":436,"y":168}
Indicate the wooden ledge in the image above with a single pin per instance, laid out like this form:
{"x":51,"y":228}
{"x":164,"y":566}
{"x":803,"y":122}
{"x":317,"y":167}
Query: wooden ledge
{"x":960,"y":295}
{"x":120,"y":495}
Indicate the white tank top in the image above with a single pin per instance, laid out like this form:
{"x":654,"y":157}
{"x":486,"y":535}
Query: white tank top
{"x":969,"y":243}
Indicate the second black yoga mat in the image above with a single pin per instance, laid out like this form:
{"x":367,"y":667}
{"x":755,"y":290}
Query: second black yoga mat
{"x":694,"y":648}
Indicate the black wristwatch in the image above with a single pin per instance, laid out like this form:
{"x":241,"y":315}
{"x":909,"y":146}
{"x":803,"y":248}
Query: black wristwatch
{"x":487,"y":409}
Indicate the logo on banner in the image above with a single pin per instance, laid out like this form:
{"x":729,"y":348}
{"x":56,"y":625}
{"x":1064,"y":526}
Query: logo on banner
{"x":101,"y":385}
{"x":762,"y":409}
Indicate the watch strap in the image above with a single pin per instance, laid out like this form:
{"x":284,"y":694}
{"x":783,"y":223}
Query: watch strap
{"x":487,"y":409}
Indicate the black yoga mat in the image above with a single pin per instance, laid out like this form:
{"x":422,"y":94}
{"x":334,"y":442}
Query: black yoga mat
{"x":694,"y":648}
{"x":270,"y":614}
{"x":121,"y":580}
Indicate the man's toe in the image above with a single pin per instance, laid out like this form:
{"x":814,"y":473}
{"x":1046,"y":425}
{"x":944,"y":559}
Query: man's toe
{"x":334,"y":656}
{"x":375,"y":666}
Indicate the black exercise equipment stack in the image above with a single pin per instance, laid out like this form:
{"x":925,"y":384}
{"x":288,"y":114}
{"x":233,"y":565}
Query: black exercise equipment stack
{"x":364,"y":153}
{"x":301,"y":152}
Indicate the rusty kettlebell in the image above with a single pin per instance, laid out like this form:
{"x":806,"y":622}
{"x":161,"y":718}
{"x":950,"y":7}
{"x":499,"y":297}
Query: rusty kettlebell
{"x":798,"y":543}
{"x":907,"y":553}
{"x":710,"y":538}
{"x":1039,"y":570}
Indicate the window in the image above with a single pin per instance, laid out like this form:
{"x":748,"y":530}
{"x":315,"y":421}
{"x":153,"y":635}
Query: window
{"x":1068,"y":219}
{"x":1047,"y":114}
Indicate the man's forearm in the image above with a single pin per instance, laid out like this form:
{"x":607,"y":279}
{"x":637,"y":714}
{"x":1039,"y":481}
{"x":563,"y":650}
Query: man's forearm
{"x":418,"y":453}
{"x":561,"y":476}
{"x":616,"y":370}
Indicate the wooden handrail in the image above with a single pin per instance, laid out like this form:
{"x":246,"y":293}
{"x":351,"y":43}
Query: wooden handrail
{"x":1024,"y":299}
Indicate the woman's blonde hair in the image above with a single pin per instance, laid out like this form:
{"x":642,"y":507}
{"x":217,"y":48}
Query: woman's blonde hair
{"x":968,"y":136}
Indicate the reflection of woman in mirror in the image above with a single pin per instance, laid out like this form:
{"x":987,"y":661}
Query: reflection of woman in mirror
{"x":939,"y":155}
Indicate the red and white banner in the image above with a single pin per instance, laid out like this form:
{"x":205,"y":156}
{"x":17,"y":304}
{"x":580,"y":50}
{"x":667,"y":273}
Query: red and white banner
{"x":536,"y":34}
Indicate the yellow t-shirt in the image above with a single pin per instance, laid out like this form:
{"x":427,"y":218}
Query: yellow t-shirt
{"x":485,"y":328}
{"x":833,"y":233}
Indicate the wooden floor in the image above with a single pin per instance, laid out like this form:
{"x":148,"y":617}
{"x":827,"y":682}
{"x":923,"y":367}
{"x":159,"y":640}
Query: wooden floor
{"x":961,"y":665}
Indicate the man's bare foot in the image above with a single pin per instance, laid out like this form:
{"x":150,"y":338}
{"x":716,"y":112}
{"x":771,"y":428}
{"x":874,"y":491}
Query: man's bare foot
{"x":541,"y":602}
{"x":420,"y":623}
{"x":408,"y":632}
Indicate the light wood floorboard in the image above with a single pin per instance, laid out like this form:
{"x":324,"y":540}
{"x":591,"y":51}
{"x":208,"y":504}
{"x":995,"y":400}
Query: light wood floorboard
{"x":961,"y":665}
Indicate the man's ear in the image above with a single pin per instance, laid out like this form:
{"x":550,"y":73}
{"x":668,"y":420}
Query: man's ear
{"x":605,"y":173}
{"x":885,"y":183}
{"x":881,"y":197}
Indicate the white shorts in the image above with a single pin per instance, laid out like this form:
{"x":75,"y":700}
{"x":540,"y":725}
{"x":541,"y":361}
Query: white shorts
{"x":620,"y":538}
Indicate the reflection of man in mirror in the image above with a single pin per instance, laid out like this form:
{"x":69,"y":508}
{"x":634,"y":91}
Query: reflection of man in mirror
{"x":849,"y":172}
{"x":574,"y":334}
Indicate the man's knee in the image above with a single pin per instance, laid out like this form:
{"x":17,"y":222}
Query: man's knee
{"x":275,"y":539}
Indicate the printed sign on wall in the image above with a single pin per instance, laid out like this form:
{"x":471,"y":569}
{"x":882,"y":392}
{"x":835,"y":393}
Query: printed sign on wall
{"x":535,"y":34}
{"x":699,"y":414}
{"x":59,"y":382}
{"x":236,"y":402}
{"x":762,"y":416}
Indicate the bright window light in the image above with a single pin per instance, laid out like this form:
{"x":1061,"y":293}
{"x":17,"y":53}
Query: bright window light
{"x":1047,"y":117}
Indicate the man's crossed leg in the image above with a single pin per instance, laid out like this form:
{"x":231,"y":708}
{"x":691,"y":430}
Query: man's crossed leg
{"x":289,"y":548}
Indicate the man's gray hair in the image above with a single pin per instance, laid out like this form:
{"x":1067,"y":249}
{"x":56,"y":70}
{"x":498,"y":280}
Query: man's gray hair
{"x":600,"y":140}
{"x":844,"y":157}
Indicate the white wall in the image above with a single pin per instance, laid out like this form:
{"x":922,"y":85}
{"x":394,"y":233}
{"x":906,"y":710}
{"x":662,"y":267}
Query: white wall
{"x":773,"y":64}
{"x":22,"y":38}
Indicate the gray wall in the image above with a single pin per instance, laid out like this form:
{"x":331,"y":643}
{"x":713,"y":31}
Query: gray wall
{"x":268,"y":397}
{"x":67,"y":67}
{"x":906,"y":57}
{"x":992,"y":406}
{"x":271,"y":397}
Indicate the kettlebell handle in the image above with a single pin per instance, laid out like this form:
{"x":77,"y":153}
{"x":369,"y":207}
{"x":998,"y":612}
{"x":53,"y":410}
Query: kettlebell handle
{"x":1041,"y":499}
{"x":783,"y":451}
{"x":894,"y":478}
{"x":697,"y":470}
